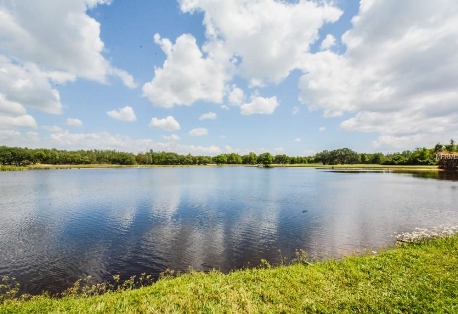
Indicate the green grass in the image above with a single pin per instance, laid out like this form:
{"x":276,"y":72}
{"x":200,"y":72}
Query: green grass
{"x":379,"y":167}
{"x":414,"y":278}
{"x":11,"y":168}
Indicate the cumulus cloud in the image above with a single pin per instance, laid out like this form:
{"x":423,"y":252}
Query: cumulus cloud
{"x":259,"y":105}
{"x":74,"y":122}
{"x":282,"y":31}
{"x":236,"y":96}
{"x":105,"y":140}
{"x":236,"y":31}
{"x":279,"y":150}
{"x":322,"y":129}
{"x":399,"y":78}
{"x":18,"y":139}
{"x":298,"y":140}
{"x":52,"y":129}
{"x":187,"y":75}
{"x":309,"y":152}
{"x":209,"y":115}
{"x":67,"y":41}
{"x":198,"y":132}
{"x":26,"y":84}
{"x":10,"y":107}
{"x":172,"y":137}
{"x":40,"y":47}
{"x":19,"y":121}
{"x":328,"y":42}
{"x":168,"y":124}
{"x":123,"y":114}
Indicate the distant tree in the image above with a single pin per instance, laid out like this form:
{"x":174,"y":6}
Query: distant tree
{"x":281,"y":159}
{"x":377,"y":158}
{"x":324,"y":157}
{"x":220,"y":159}
{"x":250,"y":159}
{"x":451,"y":147}
{"x":438,"y":148}
{"x":267,"y":159}
{"x":234,"y":159}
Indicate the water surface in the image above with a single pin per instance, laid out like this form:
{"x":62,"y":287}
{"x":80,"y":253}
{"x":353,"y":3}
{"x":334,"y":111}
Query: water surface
{"x":57,"y":226}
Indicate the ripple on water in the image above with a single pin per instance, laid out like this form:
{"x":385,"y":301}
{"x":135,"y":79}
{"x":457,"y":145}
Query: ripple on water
{"x":59,"y":226}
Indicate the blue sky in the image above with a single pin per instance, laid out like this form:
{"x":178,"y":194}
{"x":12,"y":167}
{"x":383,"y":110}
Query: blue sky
{"x":209,"y":77}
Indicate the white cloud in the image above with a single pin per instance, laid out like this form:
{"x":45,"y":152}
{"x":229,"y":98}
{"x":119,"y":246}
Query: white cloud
{"x":295,"y":110}
{"x":279,"y":150}
{"x":172,"y":137}
{"x":123,"y":114}
{"x":52,"y":129}
{"x":125,"y":77}
{"x":328,"y":42}
{"x":399,"y":78}
{"x":105,"y":140}
{"x":74,"y":122}
{"x":224,"y":107}
{"x":322,"y":129}
{"x":20,"y":121}
{"x":209,"y":115}
{"x":168,"y":124}
{"x":198,"y":132}
{"x":50,"y":42}
{"x":17,"y":139}
{"x":67,"y":41}
{"x":222,"y":136}
{"x":236,"y":96}
{"x":10,"y":107}
{"x":187,"y":75}
{"x":260,"y":105}
{"x":309,"y":152}
{"x":28,"y":85}
{"x":298,"y":140}
{"x":268,"y":37}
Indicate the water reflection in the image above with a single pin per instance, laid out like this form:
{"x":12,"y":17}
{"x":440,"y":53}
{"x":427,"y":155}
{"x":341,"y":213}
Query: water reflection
{"x":59,"y":226}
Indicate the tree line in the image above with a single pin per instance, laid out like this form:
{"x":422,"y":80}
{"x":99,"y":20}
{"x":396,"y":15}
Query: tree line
{"x":419,"y":156}
{"x":17,"y":156}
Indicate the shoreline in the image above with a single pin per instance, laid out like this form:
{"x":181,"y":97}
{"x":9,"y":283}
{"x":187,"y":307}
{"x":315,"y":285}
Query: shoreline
{"x":362,"y":167}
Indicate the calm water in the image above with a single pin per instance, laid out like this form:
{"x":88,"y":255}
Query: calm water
{"x":57,"y":226}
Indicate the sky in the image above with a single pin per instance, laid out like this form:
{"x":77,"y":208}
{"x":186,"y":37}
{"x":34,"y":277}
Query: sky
{"x":218,"y":76}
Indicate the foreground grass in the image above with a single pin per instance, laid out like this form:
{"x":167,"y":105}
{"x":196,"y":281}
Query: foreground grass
{"x":416,"y":278}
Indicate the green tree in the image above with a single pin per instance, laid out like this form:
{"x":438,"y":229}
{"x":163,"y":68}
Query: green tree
{"x":220,"y":159}
{"x":281,"y":159}
{"x":324,"y":157}
{"x":234,"y":159}
{"x":267,"y":160}
{"x":250,"y":159}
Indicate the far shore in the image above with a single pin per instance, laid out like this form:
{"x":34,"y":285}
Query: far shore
{"x":314,"y":166}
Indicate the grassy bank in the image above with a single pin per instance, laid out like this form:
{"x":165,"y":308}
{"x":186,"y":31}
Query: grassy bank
{"x":11,"y":168}
{"x":415,"y":278}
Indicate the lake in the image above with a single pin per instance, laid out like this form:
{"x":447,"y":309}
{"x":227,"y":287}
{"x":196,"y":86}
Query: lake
{"x":57,"y":226}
